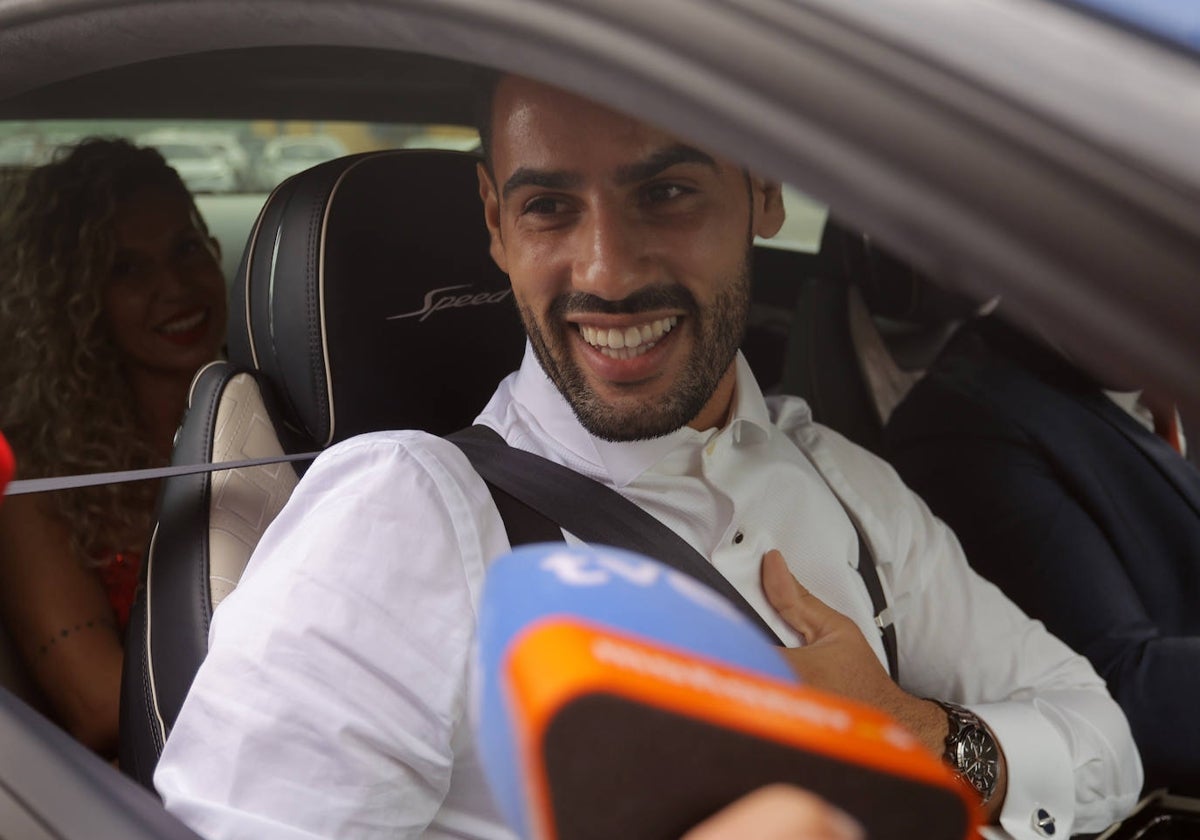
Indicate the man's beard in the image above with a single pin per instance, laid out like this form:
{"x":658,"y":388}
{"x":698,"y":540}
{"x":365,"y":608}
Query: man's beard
{"x":716,"y":335}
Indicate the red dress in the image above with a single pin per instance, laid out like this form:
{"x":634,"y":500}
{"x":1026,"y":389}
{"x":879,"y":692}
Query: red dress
{"x":119,"y":574}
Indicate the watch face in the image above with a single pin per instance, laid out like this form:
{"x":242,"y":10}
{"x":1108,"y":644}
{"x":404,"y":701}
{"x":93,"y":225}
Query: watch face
{"x":976,"y":759}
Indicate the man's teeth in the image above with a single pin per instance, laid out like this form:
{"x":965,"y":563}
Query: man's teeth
{"x":184,"y":324}
{"x":628,"y":342}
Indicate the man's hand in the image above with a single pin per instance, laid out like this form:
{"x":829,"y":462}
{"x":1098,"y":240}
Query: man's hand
{"x":837,"y":658}
{"x":778,"y":812}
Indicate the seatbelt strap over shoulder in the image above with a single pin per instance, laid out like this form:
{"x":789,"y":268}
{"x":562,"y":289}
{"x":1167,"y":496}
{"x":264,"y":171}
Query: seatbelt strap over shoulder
{"x":589,"y":510}
{"x":69,"y":482}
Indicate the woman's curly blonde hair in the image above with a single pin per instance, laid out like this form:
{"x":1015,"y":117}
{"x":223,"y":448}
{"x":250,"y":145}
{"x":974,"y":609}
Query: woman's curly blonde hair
{"x":65,"y":403}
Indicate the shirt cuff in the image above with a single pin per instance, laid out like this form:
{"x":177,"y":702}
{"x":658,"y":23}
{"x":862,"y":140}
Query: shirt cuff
{"x":1040,"y":800}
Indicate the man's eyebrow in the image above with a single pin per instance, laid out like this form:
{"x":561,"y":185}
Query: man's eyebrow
{"x":664,"y":159}
{"x":550,"y":180}
{"x":629,"y":174}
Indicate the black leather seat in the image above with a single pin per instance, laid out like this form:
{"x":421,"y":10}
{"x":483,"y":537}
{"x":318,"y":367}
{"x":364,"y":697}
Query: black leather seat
{"x":366,"y":300}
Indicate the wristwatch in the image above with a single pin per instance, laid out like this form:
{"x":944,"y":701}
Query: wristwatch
{"x":971,"y":750}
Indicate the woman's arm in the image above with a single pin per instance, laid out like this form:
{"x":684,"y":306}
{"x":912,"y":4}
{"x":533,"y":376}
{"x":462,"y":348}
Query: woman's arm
{"x":59,"y":618}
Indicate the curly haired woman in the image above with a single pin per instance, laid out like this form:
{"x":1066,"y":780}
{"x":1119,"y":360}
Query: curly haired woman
{"x":111,"y":297}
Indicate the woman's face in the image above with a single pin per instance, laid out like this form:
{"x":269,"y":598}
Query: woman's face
{"x":165,"y":296}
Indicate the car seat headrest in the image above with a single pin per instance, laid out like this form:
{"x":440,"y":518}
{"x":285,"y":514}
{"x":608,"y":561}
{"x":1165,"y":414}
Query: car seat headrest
{"x":367,"y":296}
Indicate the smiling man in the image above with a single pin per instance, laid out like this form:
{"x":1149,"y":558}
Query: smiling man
{"x":333,"y":701}
{"x":630,"y":260}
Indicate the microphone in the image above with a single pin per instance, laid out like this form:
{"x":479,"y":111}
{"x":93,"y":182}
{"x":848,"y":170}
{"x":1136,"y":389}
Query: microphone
{"x":614,"y":696}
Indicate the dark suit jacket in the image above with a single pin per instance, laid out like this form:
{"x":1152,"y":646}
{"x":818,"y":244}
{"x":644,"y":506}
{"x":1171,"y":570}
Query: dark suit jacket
{"x":1087,"y":520}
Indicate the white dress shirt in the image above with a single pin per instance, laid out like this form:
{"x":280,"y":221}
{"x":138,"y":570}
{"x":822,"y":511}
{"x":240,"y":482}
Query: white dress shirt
{"x":333,"y":699}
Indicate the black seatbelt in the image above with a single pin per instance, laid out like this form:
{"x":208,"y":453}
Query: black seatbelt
{"x":523,"y":524}
{"x":589,"y":510}
{"x":537,"y":498}
{"x":70,"y":482}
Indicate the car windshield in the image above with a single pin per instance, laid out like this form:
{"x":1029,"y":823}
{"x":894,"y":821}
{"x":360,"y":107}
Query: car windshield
{"x":241,"y":152}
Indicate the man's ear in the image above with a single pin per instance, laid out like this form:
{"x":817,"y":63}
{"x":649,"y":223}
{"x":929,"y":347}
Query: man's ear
{"x":491,"y":215}
{"x":214,"y":247}
{"x":768,"y":207}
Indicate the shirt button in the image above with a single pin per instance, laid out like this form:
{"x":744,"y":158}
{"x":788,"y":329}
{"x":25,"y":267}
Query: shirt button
{"x":1043,"y":823}
{"x":738,"y":537}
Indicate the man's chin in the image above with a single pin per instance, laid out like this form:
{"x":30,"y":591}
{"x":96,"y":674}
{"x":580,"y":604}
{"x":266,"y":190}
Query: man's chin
{"x":616,"y":411}
{"x":627,"y":419}
{"x":628,"y":432}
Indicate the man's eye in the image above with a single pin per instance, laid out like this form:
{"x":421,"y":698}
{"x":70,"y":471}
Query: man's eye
{"x":544,"y":206}
{"x":655,"y":193}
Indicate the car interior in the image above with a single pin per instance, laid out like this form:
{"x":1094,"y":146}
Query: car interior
{"x":358,"y":290}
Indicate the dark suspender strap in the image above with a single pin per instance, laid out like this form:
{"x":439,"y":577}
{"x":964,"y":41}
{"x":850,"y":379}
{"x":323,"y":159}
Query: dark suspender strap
{"x":879,"y":605}
{"x":589,"y":510}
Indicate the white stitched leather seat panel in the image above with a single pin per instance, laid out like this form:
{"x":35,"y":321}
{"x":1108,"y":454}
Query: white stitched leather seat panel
{"x":244,"y":501}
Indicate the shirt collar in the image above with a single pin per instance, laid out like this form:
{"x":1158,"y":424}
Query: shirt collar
{"x":750,"y":423}
{"x":1130,"y":401}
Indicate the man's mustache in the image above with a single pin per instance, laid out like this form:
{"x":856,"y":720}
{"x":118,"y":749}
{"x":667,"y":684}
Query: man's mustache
{"x":649,"y":299}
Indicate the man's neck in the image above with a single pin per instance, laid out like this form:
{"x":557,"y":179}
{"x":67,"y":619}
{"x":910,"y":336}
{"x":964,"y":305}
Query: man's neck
{"x":715,"y":413}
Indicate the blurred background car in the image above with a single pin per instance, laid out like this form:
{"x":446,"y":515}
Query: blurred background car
{"x":284,"y":156}
{"x":220,"y":144}
{"x":21,"y":150}
{"x":203,"y":167}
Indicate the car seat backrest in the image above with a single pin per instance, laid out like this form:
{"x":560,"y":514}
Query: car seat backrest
{"x":366,"y":300}
{"x":778,"y":274}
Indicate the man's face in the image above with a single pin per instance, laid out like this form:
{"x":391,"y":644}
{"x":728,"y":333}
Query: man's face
{"x":629,"y":256}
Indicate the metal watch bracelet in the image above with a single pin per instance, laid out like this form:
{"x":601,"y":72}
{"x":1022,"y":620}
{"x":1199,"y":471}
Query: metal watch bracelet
{"x":971,"y":750}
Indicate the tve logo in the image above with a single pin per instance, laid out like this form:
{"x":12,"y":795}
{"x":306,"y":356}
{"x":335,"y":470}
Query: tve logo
{"x":576,"y":568}
{"x":436,"y":300}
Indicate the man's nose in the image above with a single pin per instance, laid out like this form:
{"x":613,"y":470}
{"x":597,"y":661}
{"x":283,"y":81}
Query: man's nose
{"x":611,"y":257}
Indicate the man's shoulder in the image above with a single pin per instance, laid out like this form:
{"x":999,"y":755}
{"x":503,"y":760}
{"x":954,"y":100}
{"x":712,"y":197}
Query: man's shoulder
{"x":792,"y":416}
{"x":393,"y":452}
{"x":789,"y":413}
{"x":413,"y":440}
{"x":839,"y":459}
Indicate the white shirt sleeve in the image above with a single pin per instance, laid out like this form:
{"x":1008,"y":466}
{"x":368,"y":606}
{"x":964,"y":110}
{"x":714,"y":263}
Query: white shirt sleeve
{"x":333,"y":697}
{"x":1069,"y":750}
